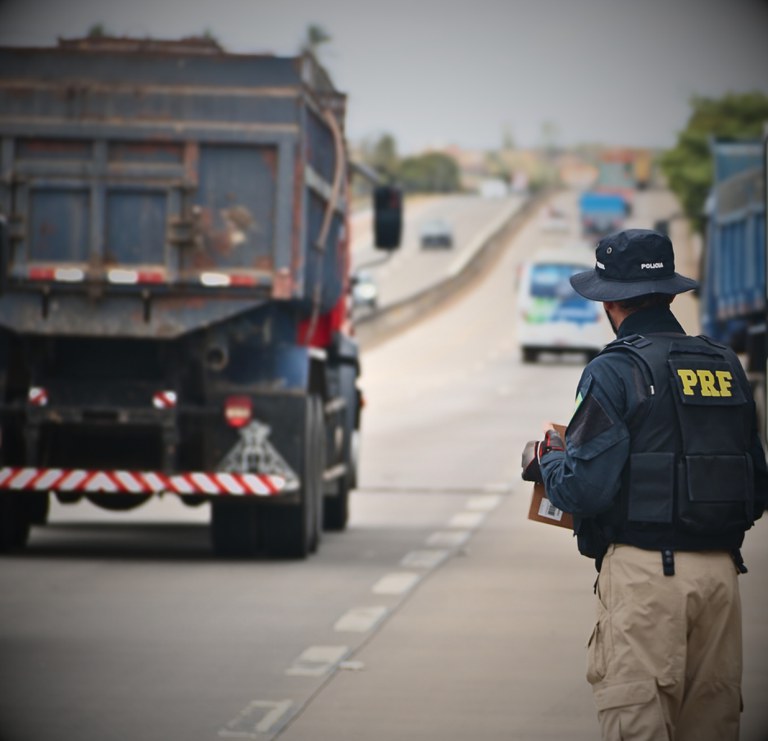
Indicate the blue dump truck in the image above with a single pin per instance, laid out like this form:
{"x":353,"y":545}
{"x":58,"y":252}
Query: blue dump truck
{"x":174,"y":288}
{"x":733,"y":265}
{"x":601,"y":213}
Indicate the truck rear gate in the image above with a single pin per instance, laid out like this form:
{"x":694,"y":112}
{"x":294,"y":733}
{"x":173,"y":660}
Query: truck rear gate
{"x":173,"y":296}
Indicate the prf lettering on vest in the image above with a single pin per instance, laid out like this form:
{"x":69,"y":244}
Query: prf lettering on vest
{"x":705,"y":383}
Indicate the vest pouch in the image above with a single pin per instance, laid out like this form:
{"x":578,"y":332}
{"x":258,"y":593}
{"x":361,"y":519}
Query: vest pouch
{"x":715,"y":493}
{"x":589,"y":537}
{"x":651,"y":487}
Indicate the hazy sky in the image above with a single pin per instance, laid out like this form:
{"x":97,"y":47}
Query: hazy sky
{"x":435,"y":72}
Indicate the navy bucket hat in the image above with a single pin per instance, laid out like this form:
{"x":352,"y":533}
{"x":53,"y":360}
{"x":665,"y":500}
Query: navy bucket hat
{"x":631,"y":263}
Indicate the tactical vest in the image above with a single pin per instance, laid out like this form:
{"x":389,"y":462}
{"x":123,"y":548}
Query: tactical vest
{"x":689,"y":482}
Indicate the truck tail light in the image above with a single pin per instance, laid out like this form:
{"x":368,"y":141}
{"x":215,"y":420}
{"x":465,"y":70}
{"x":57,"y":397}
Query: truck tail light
{"x":238,"y":410}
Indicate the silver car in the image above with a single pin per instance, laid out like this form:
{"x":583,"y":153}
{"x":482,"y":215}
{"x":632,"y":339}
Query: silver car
{"x":365,"y":292}
{"x":436,"y":233}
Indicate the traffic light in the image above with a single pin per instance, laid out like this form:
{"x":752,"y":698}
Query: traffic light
{"x":388,"y":217}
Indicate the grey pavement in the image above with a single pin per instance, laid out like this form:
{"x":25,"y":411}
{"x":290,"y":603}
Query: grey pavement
{"x":492,"y":646}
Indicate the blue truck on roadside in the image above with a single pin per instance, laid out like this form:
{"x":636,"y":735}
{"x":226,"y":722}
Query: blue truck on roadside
{"x":601,"y":213}
{"x":733,"y":266}
{"x":174,"y":278}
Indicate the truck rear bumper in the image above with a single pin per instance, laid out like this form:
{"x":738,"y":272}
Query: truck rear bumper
{"x":143,"y":482}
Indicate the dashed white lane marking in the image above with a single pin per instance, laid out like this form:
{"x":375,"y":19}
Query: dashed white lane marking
{"x":317,"y":661}
{"x":469,"y":520}
{"x":448,"y":538}
{"x":483,"y":504}
{"x":397,"y":582}
{"x":361,"y":619}
{"x":260,"y":717}
{"x":424,"y":559}
{"x":352,"y":666}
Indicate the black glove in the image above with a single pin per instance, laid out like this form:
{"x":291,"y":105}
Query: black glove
{"x":530,"y":462}
{"x":533,"y":452}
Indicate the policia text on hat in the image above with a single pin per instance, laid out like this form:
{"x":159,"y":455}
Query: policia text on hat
{"x":663,"y":471}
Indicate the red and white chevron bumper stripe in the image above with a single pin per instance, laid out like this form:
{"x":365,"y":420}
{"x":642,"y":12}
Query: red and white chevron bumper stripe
{"x":140,"y":482}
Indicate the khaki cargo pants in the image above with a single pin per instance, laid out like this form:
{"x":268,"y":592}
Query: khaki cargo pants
{"x":664,"y":659}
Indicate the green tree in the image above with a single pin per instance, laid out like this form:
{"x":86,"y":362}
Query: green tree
{"x":98,"y":31}
{"x":433,"y":172}
{"x":688,"y":166}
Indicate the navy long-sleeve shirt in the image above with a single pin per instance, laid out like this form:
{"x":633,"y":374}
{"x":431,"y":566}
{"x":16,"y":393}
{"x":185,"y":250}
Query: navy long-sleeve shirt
{"x":586,"y":478}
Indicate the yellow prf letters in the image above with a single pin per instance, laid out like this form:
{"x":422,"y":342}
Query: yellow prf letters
{"x":708,"y":383}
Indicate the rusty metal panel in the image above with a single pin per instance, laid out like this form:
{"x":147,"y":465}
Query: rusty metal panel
{"x":135,"y":226}
{"x":79,"y":315}
{"x":191,"y":165}
{"x":58,"y":224}
{"x":234,"y":208}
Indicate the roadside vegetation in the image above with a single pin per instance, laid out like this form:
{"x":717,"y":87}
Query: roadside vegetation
{"x":688,"y":165}
{"x":429,"y":172}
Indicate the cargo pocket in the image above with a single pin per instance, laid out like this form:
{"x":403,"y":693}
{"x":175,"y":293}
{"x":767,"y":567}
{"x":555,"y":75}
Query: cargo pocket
{"x":596,"y":649}
{"x":631,"y":711}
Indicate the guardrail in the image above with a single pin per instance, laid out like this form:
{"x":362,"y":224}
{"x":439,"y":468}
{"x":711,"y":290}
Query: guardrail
{"x":380,"y":325}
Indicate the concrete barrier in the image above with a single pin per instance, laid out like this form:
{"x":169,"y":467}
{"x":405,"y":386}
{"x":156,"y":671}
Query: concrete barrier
{"x":386,"y":322}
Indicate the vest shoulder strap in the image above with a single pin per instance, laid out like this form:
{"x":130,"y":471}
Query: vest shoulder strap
{"x":643,"y":350}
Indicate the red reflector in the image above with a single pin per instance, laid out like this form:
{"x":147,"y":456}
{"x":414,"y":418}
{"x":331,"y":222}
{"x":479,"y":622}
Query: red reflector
{"x":238,"y":410}
{"x":151,"y":276}
{"x":241,"y":280}
{"x":41,"y":274}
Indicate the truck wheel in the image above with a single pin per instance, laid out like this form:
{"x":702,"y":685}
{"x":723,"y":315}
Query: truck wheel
{"x":235,"y":527}
{"x":14,"y":522}
{"x":37,"y":507}
{"x":336,"y":511}
{"x":318,"y":499}
{"x":337,"y":506}
{"x":293,"y":531}
{"x":530,"y":355}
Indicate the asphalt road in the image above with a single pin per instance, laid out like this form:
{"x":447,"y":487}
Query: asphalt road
{"x":441,"y":614}
{"x":412,"y":268}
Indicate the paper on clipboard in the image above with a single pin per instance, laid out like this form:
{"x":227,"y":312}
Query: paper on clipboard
{"x":542,"y":510}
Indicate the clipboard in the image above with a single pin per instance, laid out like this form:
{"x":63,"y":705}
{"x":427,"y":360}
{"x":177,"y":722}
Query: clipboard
{"x":542,"y":510}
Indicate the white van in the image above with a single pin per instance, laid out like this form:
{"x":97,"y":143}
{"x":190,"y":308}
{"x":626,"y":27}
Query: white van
{"x":552,"y":317}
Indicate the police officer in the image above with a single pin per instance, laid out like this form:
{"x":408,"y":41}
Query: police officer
{"x":663,"y":471}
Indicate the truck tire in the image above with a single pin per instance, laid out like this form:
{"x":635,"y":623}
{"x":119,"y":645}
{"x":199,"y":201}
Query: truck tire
{"x":235,"y":527}
{"x":530,"y":355}
{"x":336,"y":512}
{"x":14,"y":522}
{"x":336,"y":505}
{"x":38,"y":504}
{"x":293,"y":531}
{"x":320,"y":450}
